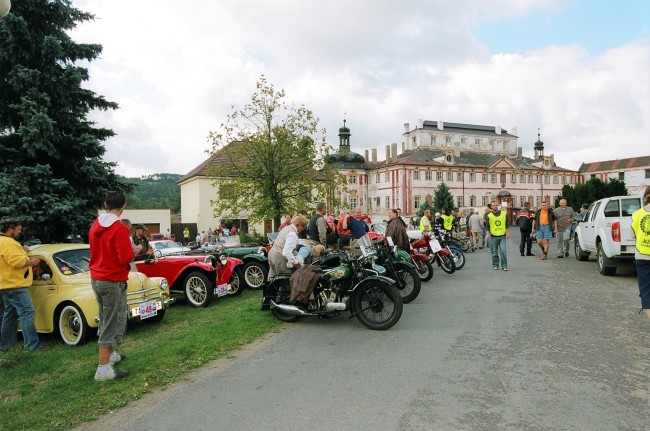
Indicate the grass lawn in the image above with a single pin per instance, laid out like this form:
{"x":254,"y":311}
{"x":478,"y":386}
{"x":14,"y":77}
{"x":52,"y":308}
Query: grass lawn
{"x":55,"y":389}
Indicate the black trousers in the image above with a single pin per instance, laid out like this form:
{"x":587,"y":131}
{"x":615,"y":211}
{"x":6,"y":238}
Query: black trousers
{"x":526,"y":241}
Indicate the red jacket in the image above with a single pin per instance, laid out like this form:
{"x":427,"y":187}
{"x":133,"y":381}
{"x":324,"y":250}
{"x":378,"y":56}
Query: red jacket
{"x":111,"y":250}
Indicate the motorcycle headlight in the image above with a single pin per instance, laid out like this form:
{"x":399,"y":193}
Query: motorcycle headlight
{"x":164,"y":284}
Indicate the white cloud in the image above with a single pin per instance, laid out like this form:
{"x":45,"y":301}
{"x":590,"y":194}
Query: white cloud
{"x":176,"y":71}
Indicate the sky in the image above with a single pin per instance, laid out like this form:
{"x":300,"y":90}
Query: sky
{"x":576,"y":70}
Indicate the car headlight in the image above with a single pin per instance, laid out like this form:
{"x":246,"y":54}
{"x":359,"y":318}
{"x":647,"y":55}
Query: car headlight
{"x":164,"y":284}
{"x":224,"y":259}
{"x":260,"y":251}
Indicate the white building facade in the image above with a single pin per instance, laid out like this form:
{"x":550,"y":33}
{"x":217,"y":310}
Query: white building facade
{"x":635,"y":171}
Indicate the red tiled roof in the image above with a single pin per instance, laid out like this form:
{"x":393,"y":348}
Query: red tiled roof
{"x":618,"y":164}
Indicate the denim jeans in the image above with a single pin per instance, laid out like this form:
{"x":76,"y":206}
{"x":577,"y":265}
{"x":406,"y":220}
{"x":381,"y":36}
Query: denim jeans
{"x":18,"y":305}
{"x":498,"y":249}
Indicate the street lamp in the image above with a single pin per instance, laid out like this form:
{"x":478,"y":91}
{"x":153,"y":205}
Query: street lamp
{"x":5,"y":5}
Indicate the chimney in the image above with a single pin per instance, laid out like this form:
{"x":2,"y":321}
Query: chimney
{"x":373,"y":155}
{"x":387,"y":154}
{"x":406,"y":127}
{"x":520,"y":152}
{"x":366,"y":154}
{"x":393,"y":150}
{"x":457,"y":149}
{"x":420,"y":123}
{"x":497,"y":130}
{"x":440,"y":125}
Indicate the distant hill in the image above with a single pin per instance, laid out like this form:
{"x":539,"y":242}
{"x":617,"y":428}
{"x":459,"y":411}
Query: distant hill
{"x":157,"y":191}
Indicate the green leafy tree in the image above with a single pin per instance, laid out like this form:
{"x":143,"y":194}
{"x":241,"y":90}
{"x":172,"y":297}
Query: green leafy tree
{"x":590,"y":191}
{"x":52,"y":174}
{"x":155,"y":191}
{"x":442,"y":198}
{"x":267,"y":159}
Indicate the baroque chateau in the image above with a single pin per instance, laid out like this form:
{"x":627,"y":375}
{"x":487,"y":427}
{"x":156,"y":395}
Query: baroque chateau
{"x":477,"y":163}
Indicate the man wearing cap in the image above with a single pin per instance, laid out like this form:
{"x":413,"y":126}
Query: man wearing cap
{"x":140,"y":240}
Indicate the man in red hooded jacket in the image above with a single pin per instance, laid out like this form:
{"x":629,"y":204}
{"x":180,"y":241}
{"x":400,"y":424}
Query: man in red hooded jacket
{"x":111,"y":253}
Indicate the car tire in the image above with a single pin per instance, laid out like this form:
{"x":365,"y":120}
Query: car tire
{"x":72,"y":325}
{"x":197,"y":289}
{"x":255,"y":274}
{"x":580,"y":254}
{"x":237,"y":284}
{"x":602,"y":260}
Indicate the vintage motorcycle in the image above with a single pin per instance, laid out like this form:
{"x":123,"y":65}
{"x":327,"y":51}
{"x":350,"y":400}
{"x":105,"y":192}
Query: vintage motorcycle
{"x":399,"y":267}
{"x":429,"y":245}
{"x":457,"y":254}
{"x":347,"y":284}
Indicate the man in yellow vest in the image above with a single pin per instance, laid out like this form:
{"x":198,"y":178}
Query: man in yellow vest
{"x":497,"y":234}
{"x":425,"y":222}
{"x":641,"y":227}
{"x":447,"y":220}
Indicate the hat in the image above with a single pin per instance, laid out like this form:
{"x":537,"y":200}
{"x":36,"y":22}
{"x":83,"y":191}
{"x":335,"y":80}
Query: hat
{"x":141,"y":226}
{"x":317,"y":250}
{"x":437,"y":214}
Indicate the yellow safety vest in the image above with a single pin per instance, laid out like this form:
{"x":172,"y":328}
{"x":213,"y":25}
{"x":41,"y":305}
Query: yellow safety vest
{"x":497,"y":224}
{"x":447,"y":221}
{"x":422,"y":224}
{"x":641,"y":226}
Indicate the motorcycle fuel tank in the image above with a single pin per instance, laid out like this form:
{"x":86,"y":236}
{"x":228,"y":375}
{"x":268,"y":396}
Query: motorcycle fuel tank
{"x":339,"y":273}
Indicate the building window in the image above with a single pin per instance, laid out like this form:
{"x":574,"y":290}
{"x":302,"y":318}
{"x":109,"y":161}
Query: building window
{"x":472,"y":177}
{"x":450,"y":176}
{"x":503,"y":178}
{"x":647,"y":173}
{"x":378,"y":200}
{"x":353,"y":203}
{"x":472,"y":201}
{"x":621,"y":176}
{"x":416,"y":202}
{"x":477,"y":142}
{"x":556,"y":179}
{"x":593,"y":176}
{"x":564,"y":179}
{"x":438,"y":176}
{"x":377,"y":178}
{"x":463,"y":142}
{"x":573,"y":179}
{"x":387,"y":176}
{"x":433,"y":140}
{"x":448,"y":141}
{"x":530,"y":179}
{"x":547,"y":179}
{"x":486,"y":200}
{"x":416,"y":175}
{"x":387,"y":202}
{"x":537,"y":179}
{"x":459,"y":177}
{"x":413,"y":142}
{"x":428,"y":176}
{"x":538,"y":201}
{"x":522,"y":178}
{"x":493,"y":178}
{"x":352,"y":179}
{"x":513,"y":178}
{"x":522,"y":200}
{"x":460,"y":201}
{"x":484,"y":178}
{"x":505,"y":145}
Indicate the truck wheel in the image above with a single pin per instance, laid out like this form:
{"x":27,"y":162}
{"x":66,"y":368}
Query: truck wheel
{"x":601,"y":258}
{"x":580,"y":254}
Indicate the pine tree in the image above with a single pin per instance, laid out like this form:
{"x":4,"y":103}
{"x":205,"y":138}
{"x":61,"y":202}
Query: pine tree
{"x":442,"y":198}
{"x":52,"y":174}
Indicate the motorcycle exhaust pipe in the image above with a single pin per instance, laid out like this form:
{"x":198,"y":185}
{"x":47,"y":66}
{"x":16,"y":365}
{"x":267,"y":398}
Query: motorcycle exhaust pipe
{"x":335,"y":306}
{"x":291,"y":309}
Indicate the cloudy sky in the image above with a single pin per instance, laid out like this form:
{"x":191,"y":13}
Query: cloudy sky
{"x":577,"y":69}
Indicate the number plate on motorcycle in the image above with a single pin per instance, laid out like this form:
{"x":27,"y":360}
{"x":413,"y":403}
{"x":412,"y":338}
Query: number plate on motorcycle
{"x":435,"y":245}
{"x":148,"y":309}
{"x":221,"y":290}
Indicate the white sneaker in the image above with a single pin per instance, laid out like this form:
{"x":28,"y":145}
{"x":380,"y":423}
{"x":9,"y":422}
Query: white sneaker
{"x":115,"y":358}
{"x":111,"y":374}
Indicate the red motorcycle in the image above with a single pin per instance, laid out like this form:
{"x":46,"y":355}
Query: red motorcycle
{"x":430,"y":246}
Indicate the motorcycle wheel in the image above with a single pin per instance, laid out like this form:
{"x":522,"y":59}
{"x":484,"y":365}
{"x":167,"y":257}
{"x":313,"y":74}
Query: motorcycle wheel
{"x":424,"y":268}
{"x":459,"y":257}
{"x":447,"y":264}
{"x":377,"y":304}
{"x":283,"y":293}
{"x":408,"y":281}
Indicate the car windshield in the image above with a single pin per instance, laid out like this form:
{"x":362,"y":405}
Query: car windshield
{"x":166,"y":244}
{"x":72,"y":261}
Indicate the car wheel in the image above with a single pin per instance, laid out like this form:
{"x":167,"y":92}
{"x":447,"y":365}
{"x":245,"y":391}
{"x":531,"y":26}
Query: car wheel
{"x":197,"y":289}
{"x":237,"y":284}
{"x":601,"y":258}
{"x":73,"y":328}
{"x":255,"y":274}
{"x":580,"y":254}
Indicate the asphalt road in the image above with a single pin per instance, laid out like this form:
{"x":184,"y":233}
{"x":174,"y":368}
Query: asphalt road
{"x":548,"y":345}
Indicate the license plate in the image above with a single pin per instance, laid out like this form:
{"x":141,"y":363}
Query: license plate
{"x":435,"y":245}
{"x":221,"y":290}
{"x":148,"y":309}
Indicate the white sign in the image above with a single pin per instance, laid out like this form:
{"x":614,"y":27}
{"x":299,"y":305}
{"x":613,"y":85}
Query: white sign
{"x":221,"y":290}
{"x":148,"y":309}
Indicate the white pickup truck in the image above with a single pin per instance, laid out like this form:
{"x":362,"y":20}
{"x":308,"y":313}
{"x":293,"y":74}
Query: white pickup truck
{"x":607,"y":231}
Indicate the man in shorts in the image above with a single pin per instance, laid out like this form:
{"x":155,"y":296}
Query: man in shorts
{"x":111,"y":253}
{"x":544,"y":228}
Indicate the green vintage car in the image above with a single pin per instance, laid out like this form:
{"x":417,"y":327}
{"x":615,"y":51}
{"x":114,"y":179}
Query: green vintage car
{"x":256,"y":265}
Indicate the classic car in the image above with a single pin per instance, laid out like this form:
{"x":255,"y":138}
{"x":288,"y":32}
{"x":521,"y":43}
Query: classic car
{"x":64,"y":300}
{"x":256,"y":265}
{"x":198,"y":278}
{"x":168,"y":247}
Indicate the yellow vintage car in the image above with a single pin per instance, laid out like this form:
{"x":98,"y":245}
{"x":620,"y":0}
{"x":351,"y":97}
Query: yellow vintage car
{"x":64,"y":300}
